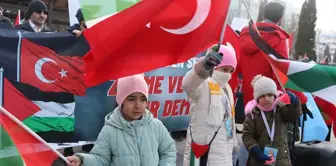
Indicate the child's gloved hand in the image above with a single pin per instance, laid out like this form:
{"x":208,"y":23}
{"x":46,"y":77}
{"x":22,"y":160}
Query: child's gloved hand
{"x":293,"y":98}
{"x":212,"y":59}
{"x":259,"y":155}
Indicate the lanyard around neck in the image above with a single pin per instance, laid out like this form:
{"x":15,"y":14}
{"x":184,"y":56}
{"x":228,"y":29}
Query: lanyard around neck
{"x":270,"y":133}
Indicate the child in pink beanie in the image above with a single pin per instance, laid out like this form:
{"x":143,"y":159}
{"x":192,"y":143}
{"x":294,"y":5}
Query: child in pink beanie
{"x":212,"y":122}
{"x":131,"y":135}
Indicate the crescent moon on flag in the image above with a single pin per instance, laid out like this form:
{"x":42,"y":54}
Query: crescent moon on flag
{"x":202,"y":12}
{"x":38,"y":69}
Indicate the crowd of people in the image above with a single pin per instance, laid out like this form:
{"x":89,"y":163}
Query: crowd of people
{"x":35,"y":18}
{"x":132,"y":136}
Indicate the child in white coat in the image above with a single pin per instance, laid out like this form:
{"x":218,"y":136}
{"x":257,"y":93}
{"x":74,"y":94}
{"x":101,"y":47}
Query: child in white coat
{"x":211,"y":133}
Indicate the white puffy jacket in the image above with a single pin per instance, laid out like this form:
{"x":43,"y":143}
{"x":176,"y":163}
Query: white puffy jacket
{"x":195,"y":84}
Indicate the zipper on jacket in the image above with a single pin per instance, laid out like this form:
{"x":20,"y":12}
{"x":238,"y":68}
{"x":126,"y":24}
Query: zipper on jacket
{"x":137,"y":139}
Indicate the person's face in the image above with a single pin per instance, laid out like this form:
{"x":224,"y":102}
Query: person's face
{"x":266,"y":100}
{"x":300,"y":58}
{"x":134,"y":106}
{"x":225,"y":69}
{"x":270,"y":154}
{"x":39,"y":17}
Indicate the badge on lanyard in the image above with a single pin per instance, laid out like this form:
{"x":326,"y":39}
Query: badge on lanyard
{"x":272,"y":154}
{"x":228,"y":126}
{"x":227,"y":118}
{"x":269,"y":151}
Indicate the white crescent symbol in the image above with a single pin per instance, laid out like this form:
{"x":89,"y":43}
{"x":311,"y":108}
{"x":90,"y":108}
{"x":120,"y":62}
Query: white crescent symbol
{"x":202,"y":12}
{"x":38,"y":69}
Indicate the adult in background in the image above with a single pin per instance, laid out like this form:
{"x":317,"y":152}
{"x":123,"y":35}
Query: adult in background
{"x":36,"y":15}
{"x":77,"y":29}
{"x":5,"y":22}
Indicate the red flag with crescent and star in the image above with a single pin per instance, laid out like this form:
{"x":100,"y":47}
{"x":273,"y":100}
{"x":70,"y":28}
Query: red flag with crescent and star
{"x":177,"y":33}
{"x":43,"y":68}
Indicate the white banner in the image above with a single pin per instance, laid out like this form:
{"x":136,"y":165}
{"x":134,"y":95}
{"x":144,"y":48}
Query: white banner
{"x":73,"y":7}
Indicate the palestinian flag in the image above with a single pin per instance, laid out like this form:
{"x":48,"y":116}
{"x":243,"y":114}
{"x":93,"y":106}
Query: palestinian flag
{"x":319,"y":80}
{"x":55,"y":120}
{"x":27,"y":150}
{"x":48,"y":70}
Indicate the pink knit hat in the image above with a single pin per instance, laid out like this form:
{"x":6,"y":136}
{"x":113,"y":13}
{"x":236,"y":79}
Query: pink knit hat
{"x":129,"y":85}
{"x":229,"y":56}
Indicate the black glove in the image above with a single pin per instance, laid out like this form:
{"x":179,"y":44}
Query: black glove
{"x":306,"y":111}
{"x":259,"y":155}
{"x":293,"y":98}
{"x":212,"y":59}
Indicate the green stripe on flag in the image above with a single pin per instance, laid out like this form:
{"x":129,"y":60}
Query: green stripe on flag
{"x":99,"y":8}
{"x":9,"y":155}
{"x":192,"y":158}
{"x":124,"y":4}
{"x":44,"y":124}
{"x":313,"y":79}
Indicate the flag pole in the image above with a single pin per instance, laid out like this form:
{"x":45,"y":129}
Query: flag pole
{"x":18,"y":55}
{"x":1,"y":104}
{"x":18,"y":122}
{"x":221,"y":38}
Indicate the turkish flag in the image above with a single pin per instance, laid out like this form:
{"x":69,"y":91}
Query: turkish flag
{"x":18,"y":104}
{"x":231,"y":37}
{"x":181,"y":31}
{"x":43,"y":68}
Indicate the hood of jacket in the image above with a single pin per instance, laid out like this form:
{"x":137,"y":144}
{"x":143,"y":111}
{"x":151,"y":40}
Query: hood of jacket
{"x":116,"y":119}
{"x":247,"y":45}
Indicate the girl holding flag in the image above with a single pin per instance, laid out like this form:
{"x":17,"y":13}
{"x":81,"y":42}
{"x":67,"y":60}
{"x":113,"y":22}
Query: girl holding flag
{"x":131,"y":135}
{"x":211,"y":134}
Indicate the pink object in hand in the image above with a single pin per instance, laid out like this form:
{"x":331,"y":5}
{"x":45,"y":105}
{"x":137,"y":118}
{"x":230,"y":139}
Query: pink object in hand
{"x":285,"y":98}
{"x":270,"y":162}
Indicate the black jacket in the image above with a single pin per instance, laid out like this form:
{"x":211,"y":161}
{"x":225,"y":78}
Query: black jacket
{"x":25,"y":26}
{"x":5,"y":22}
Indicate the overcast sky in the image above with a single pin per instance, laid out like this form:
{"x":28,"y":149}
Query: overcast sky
{"x":326,"y":13}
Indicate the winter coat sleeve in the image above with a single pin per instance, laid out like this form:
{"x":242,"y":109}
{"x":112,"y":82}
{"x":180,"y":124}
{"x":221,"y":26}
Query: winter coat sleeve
{"x":100,"y":155}
{"x":249,"y":133}
{"x":279,"y":44}
{"x":290,"y":113}
{"x":167,"y":149}
{"x":194,"y":78}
